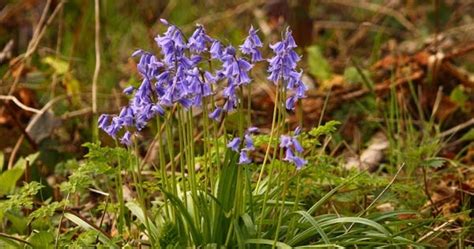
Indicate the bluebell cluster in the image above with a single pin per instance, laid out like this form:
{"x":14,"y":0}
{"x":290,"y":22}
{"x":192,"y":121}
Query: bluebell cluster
{"x":283,"y":68}
{"x":292,"y":145}
{"x":243,"y":148}
{"x":177,"y":78}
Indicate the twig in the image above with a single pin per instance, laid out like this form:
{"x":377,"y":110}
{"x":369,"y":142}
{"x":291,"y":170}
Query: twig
{"x":33,"y":45}
{"x":379,"y":196}
{"x":97,"y":58}
{"x":427,"y":192}
{"x":39,"y":24}
{"x":32,"y":122}
{"x":58,"y":232}
{"x":19,"y":104}
{"x":11,"y":159}
{"x":23,"y":130}
{"x":457,"y":128}
{"x":83,"y":111}
{"x":435,"y":230}
{"x":224,"y":14}
{"x":35,"y":41}
{"x":381,"y":9}
{"x":14,"y":238}
{"x":384,"y":190}
{"x":54,"y":80}
{"x":102,"y":218}
{"x":7,"y":51}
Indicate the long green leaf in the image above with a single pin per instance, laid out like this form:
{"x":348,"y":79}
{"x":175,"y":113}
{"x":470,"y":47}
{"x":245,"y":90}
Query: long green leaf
{"x":138,"y":212}
{"x":268,"y":242}
{"x":319,"y":246}
{"x":358,"y":220}
{"x":331,"y":193}
{"x":9,"y":178}
{"x":189,"y":221}
{"x":225,"y":195}
{"x":85,"y":225}
{"x":311,"y":220}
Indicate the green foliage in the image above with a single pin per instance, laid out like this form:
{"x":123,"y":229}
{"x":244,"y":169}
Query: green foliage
{"x":2,"y":159}
{"x":23,"y":198}
{"x":42,"y":240}
{"x":459,"y":96}
{"x":318,"y":65}
{"x":9,"y":178}
{"x":326,"y":129}
{"x":468,"y":136}
{"x":351,"y":75}
{"x":169,"y":236}
{"x":47,"y":210}
{"x":100,"y":162}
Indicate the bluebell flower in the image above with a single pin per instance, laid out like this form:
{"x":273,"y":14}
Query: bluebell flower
{"x":251,"y":45}
{"x":172,"y":45}
{"x":244,"y":157}
{"x":127,"y":138}
{"x":292,"y":145}
{"x":216,"y":114}
{"x":103,"y":121}
{"x":252,"y":130}
{"x":199,"y":40}
{"x":299,"y":162}
{"x":128,"y":90}
{"x":243,"y":149}
{"x":235,"y":70}
{"x":283,"y":68}
{"x":234,"y":144}
{"x":126,"y":116}
{"x":216,"y":50}
{"x":137,"y":52}
{"x":285,"y":141}
{"x":157,"y":109}
{"x":164,"y":21}
{"x":248,"y":142}
{"x":113,"y":128}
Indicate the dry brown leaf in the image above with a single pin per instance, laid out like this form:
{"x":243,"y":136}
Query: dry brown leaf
{"x":371,"y":157}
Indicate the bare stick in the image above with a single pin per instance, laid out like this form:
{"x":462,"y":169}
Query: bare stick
{"x":379,"y":196}
{"x":457,"y":128}
{"x":435,"y":230}
{"x":97,"y":58}
{"x":40,"y":23}
{"x":4,"y":235}
{"x":35,"y":41}
{"x":380,"y":9}
{"x":19,"y":104}
{"x":32,"y":46}
{"x":14,"y":151}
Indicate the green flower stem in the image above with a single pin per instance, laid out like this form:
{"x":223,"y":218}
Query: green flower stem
{"x":136,"y":175}
{"x":267,"y":151}
{"x":273,"y":133}
{"x":162,"y":165}
{"x":292,"y":225}
{"x":207,"y":167}
{"x":119,"y":189}
{"x":192,"y":165}
{"x":169,"y":142}
{"x":283,"y":115}
{"x":182,"y":148}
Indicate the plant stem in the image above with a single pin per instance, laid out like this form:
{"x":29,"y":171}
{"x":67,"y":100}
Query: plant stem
{"x":267,"y":151}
